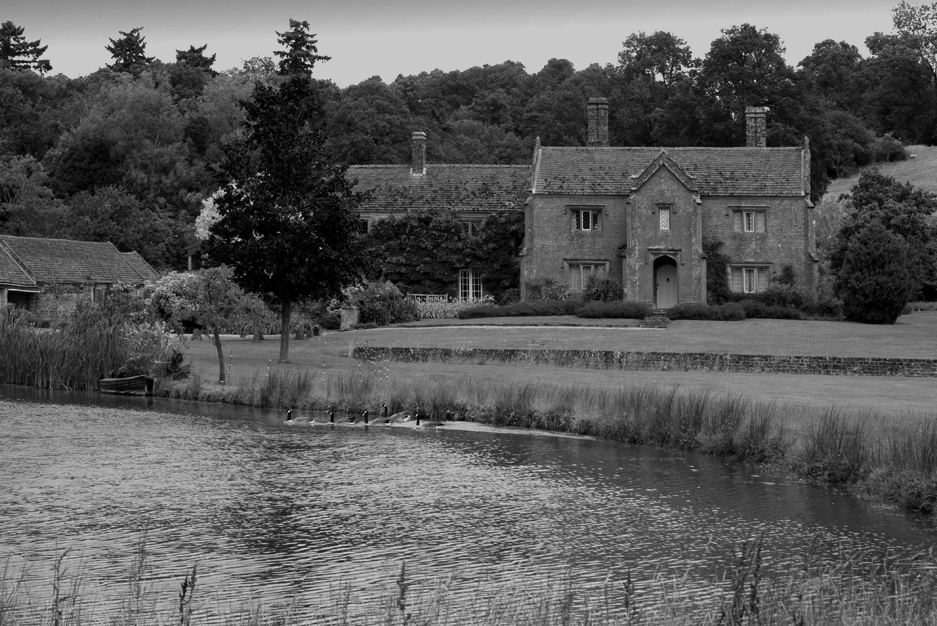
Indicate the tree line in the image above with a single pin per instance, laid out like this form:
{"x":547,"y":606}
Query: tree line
{"x":129,"y":152}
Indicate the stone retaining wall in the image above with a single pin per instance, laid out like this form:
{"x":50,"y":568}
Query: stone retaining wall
{"x":664,"y":361}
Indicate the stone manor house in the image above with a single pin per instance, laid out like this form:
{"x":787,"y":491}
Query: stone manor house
{"x":637,"y":215}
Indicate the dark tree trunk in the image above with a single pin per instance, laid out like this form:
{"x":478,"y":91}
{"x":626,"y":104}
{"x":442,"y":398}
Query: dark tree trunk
{"x":217,"y":339}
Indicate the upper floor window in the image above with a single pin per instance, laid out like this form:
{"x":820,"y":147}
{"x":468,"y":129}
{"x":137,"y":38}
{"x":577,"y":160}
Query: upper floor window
{"x":364,"y":225}
{"x":587,"y":219}
{"x":745,"y":221}
{"x":663,"y":217}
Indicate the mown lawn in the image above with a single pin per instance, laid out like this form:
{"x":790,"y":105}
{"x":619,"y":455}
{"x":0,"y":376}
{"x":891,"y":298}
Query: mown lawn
{"x":914,"y":336}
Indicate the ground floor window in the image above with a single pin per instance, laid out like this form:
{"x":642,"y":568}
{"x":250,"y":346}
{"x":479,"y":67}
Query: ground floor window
{"x":579,"y":274}
{"x":752,"y":279}
{"x":470,"y":286}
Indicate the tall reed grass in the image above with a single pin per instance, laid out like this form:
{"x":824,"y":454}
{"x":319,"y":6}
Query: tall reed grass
{"x":835,"y":587}
{"x":865,"y":453}
{"x":90,"y":345}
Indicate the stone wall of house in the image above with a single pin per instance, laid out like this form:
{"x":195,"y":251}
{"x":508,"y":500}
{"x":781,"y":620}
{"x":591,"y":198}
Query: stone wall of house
{"x":787,"y":238}
{"x":665,"y":361}
{"x":56,"y":303}
{"x":551,"y":240}
{"x":647,"y":241}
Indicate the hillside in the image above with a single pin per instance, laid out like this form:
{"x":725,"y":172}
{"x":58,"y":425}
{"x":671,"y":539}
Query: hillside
{"x":921,"y":171}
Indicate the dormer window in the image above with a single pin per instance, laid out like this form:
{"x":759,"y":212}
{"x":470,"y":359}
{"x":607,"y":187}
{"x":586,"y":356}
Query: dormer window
{"x":587,"y":219}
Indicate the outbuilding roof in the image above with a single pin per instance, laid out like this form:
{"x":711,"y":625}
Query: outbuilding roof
{"x":53,"y":261}
{"x":717,"y":171}
{"x":11,"y":273}
{"x":451,"y":187}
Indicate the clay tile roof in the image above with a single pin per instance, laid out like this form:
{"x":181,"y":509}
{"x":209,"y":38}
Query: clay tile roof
{"x":718,"y":171}
{"x":144,"y":269}
{"x":65,"y":261}
{"x":11,"y":274}
{"x":452,"y":187}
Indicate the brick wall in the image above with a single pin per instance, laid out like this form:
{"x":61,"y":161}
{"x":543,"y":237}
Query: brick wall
{"x":665,"y":361}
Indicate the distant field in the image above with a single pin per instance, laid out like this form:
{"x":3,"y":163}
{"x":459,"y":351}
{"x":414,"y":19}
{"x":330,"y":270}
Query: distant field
{"x":914,"y":336}
{"x":920,"y":171}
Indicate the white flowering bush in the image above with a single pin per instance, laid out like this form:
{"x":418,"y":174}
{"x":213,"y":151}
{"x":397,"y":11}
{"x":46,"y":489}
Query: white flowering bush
{"x":448,"y":310}
{"x":208,"y":216}
{"x":147,"y":344}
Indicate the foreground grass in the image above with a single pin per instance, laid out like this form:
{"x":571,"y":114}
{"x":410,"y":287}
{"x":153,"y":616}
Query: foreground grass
{"x":842,"y":590}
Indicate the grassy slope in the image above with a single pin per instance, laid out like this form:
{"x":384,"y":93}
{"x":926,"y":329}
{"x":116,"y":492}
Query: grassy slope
{"x":921,"y":171}
{"x":915,"y":336}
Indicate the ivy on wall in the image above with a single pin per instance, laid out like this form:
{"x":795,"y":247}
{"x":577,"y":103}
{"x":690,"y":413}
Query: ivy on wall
{"x":423,"y":251}
{"x":717,"y":280}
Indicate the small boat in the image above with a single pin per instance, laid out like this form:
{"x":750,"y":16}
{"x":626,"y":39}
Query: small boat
{"x":131,"y":385}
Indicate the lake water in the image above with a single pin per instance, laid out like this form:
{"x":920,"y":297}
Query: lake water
{"x":289,"y":513}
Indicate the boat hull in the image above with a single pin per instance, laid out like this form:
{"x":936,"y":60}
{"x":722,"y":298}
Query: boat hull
{"x":131,"y":385}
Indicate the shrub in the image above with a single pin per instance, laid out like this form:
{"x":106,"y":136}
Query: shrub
{"x":730,"y":312}
{"x":520,"y":309}
{"x":875,"y":281}
{"x":758,"y":309}
{"x":545,"y":289}
{"x":442,"y":310}
{"x":510,"y":296}
{"x":831,"y":308}
{"x":381,"y":303}
{"x":615,"y":310}
{"x":601,"y":289}
{"x":782,"y":294}
{"x":331,"y":321}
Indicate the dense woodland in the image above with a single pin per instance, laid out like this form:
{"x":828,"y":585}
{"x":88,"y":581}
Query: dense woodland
{"x":128,"y":153}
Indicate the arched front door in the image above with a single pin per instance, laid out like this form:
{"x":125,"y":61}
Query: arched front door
{"x":665,"y":282}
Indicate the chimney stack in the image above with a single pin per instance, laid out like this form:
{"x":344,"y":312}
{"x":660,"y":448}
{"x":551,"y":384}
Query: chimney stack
{"x":756,"y":127}
{"x":597,"y":114}
{"x":417,"y":153}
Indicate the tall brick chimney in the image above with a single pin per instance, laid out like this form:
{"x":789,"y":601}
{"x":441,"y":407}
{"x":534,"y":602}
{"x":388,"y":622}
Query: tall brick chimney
{"x":417,"y":153}
{"x":756,"y":127}
{"x":597,"y":114}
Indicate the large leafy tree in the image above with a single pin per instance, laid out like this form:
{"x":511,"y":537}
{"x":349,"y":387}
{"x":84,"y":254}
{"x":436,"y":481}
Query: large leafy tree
{"x":902,"y":210}
{"x":129,"y":52}
{"x":745,"y":67}
{"x":286,"y":224}
{"x":18,"y":54}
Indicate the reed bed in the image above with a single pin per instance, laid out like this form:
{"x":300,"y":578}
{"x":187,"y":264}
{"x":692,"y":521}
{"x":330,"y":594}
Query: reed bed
{"x":89,"y":346}
{"x":865,"y":453}
{"x":844,"y":588}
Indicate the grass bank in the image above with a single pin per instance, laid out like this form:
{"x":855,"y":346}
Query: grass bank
{"x":846,"y":590}
{"x":870,"y":454}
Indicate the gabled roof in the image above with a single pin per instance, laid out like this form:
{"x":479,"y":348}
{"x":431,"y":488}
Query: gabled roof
{"x":451,"y":187}
{"x":142,"y":268}
{"x":11,"y":273}
{"x":52,"y":261}
{"x":663,"y":160}
{"x":718,"y":171}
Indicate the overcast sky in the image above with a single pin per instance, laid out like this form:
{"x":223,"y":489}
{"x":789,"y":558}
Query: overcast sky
{"x":390,"y":37}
